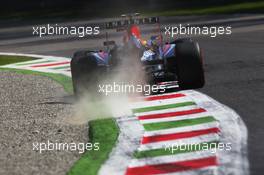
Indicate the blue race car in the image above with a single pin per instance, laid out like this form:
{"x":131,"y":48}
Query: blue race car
{"x":178,"y":61}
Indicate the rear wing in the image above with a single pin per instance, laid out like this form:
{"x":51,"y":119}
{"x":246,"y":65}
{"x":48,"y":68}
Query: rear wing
{"x":127,"y":22}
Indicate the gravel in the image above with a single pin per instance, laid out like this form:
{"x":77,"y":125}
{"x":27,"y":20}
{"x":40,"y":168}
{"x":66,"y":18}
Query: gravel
{"x":31,"y":111}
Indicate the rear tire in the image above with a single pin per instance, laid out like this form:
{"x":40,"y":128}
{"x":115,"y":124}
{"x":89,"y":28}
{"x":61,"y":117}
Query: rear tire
{"x":85,"y":73}
{"x":189,"y":65}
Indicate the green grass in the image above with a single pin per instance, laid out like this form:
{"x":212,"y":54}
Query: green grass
{"x":224,"y":9}
{"x":178,"y":123}
{"x":161,"y":107}
{"x":13,"y":59}
{"x":179,"y":150}
{"x":105,"y":132}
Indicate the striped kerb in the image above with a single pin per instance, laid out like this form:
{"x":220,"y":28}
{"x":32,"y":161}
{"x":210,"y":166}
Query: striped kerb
{"x":171,"y":114}
{"x":174,"y":136}
{"x":163,"y":126}
{"x":35,"y":62}
{"x":178,"y":123}
{"x":172,"y":167}
{"x":161,"y":107}
{"x":163,"y":97}
{"x":51,"y":64}
{"x":61,"y":67}
{"x":172,"y":150}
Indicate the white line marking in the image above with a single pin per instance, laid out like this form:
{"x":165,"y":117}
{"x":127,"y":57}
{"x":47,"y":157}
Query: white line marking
{"x":167,"y":110}
{"x":171,"y":158}
{"x":176,"y":118}
{"x":183,"y":129}
{"x":202,"y":171}
{"x":191,"y":140}
{"x":143,"y":104}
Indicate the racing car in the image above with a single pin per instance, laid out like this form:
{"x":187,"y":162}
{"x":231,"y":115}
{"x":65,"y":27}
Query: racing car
{"x":180,"y":60}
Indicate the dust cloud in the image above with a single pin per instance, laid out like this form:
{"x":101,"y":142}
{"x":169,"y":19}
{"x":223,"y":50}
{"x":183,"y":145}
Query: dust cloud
{"x":97,"y":105}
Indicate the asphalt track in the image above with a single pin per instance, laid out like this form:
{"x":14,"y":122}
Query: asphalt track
{"x":234,"y":66}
